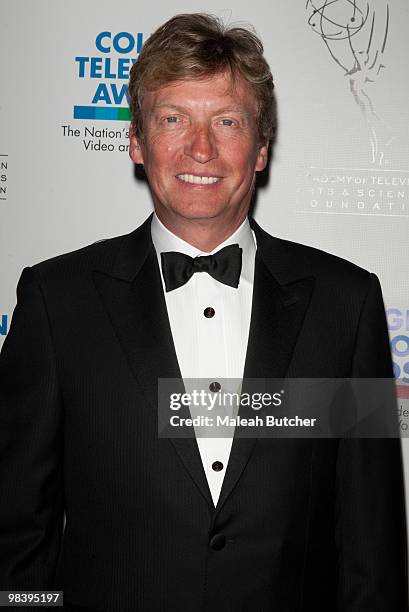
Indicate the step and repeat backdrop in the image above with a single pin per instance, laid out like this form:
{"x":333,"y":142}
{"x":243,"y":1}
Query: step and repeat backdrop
{"x":339,"y":173}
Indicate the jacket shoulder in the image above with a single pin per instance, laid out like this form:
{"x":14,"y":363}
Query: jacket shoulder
{"x":322,"y":262}
{"x":291,"y":260}
{"x":80,"y":261}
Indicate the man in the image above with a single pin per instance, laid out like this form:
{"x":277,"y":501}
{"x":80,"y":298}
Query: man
{"x":152,"y":523}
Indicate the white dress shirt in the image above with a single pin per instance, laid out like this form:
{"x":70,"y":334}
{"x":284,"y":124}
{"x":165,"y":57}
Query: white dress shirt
{"x":210,"y":347}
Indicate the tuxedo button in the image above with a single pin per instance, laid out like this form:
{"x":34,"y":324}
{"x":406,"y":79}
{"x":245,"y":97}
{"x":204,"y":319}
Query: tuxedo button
{"x":218,"y":541}
{"x":217,"y":466}
{"x":209,"y":312}
{"x":215,"y":386}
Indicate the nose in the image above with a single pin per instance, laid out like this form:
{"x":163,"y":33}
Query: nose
{"x":201,"y":145}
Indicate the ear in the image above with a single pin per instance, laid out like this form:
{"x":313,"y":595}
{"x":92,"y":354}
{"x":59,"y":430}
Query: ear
{"x":135,"y":151}
{"x":262,"y":157}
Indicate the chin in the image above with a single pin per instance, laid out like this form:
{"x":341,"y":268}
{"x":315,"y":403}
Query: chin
{"x":198,"y":211}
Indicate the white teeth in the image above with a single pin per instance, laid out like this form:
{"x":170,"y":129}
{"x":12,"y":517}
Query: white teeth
{"x":198,"y":180}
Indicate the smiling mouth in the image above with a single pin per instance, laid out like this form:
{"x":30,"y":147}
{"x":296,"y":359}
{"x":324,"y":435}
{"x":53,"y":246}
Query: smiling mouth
{"x":198,"y":180}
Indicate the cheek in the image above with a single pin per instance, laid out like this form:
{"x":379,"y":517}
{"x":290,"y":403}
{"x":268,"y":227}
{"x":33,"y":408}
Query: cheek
{"x":239,"y":153}
{"x":164,"y":155}
{"x":244,"y":166}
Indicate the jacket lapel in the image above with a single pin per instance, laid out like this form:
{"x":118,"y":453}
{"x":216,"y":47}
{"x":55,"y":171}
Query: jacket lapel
{"x":281,"y":294}
{"x":133,"y":296}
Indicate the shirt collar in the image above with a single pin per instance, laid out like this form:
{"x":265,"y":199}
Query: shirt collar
{"x":165,"y":240}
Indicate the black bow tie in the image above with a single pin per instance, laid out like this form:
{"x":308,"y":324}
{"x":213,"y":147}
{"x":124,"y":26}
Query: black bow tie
{"x":224,"y":266}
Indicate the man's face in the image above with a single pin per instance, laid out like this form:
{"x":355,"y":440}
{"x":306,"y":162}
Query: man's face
{"x":200,"y":149}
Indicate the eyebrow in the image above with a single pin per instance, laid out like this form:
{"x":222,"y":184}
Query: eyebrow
{"x":220,"y":111}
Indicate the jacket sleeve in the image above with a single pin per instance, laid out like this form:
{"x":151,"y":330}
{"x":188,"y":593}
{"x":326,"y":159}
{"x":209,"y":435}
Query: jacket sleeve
{"x":370,"y":506}
{"x":31,"y":446}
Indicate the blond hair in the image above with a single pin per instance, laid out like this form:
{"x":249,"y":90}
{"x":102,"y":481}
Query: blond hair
{"x":199,"y":45}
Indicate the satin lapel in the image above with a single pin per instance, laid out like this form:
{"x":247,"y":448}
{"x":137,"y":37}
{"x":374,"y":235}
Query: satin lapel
{"x":278,"y":311}
{"x":137,"y":309}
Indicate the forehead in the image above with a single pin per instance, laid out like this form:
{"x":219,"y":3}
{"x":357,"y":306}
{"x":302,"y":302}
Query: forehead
{"x":213,"y":92}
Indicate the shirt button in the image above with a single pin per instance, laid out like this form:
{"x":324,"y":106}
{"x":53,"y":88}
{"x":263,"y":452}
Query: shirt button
{"x":215,"y":386}
{"x":209,"y":312}
{"x":218,"y":541}
{"x":217,"y":466}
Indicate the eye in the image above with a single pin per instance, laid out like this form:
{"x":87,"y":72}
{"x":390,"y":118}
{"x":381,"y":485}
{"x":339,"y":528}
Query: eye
{"x":171,"y":119}
{"x":227,"y":122}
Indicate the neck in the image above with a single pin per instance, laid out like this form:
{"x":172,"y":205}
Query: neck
{"x":203,"y":234}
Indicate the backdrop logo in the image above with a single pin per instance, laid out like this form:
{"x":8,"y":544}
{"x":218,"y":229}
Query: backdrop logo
{"x":108,"y":73}
{"x":3,"y":176}
{"x":3,"y":324}
{"x":355,"y":34}
{"x":398,"y":324}
{"x":355,"y":191}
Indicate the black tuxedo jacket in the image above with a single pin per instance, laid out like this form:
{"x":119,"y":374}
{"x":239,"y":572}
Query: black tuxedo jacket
{"x":301,"y":524}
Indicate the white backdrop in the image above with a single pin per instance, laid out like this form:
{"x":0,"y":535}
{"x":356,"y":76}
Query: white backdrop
{"x":339,"y":177}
